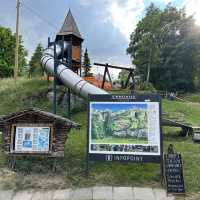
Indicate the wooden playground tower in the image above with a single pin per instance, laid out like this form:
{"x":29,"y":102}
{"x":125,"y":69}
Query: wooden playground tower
{"x":70,"y":33}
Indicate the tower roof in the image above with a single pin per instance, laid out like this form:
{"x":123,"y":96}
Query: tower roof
{"x":70,"y":27}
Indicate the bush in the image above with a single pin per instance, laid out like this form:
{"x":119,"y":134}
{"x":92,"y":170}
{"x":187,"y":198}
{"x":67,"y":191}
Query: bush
{"x":148,"y":87}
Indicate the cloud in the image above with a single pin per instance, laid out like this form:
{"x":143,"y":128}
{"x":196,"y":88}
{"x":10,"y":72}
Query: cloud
{"x":192,"y":8}
{"x":124,"y":15}
{"x":164,"y":1}
{"x":85,"y":2}
{"x":104,"y":40}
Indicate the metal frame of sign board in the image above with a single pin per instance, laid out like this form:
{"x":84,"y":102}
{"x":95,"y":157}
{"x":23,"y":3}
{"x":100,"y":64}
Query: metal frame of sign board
{"x":125,"y":157}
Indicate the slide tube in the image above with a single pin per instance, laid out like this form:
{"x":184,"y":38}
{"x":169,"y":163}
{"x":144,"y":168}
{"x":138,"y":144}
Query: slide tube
{"x":67,"y":76}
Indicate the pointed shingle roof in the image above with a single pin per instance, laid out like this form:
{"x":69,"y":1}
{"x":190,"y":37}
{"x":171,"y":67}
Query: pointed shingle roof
{"x":70,"y":27}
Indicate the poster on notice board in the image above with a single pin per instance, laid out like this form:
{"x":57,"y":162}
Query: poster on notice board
{"x":32,"y":139}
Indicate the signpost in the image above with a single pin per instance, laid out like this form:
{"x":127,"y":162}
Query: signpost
{"x":124,"y":128}
{"x":174,"y":173}
{"x":35,"y":132}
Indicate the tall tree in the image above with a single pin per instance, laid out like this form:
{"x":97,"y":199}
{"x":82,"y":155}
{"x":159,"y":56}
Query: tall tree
{"x":86,"y":63}
{"x":163,"y":48}
{"x":7,"y":52}
{"x":35,"y":68}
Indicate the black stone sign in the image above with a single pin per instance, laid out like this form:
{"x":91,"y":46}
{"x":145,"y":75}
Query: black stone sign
{"x":174,"y":173}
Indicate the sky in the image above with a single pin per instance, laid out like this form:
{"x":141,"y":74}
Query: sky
{"x":118,"y":106}
{"x":105,"y":25}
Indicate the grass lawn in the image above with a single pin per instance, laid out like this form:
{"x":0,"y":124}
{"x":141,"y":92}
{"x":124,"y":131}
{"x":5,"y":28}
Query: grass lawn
{"x":190,"y":112}
{"x":192,"y":97}
{"x":37,"y":172}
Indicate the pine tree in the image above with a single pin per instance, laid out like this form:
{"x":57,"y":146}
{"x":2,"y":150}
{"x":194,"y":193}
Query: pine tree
{"x":35,"y":68}
{"x":86,"y":64}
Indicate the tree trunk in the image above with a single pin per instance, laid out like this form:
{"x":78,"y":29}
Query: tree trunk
{"x":149,"y":67}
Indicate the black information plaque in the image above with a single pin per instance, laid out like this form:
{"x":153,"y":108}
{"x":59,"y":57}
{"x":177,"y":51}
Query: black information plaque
{"x":174,"y":173}
{"x":103,"y":149}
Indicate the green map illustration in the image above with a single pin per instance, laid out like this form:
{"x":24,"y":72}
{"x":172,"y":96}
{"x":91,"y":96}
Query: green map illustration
{"x":119,"y":124}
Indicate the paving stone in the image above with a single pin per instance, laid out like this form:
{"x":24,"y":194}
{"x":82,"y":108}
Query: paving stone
{"x":42,"y":195}
{"x":6,"y":194}
{"x":62,"y":194}
{"x":143,"y":193}
{"x":82,"y":194}
{"x":102,"y":193}
{"x":23,"y":195}
{"x":160,"y":194}
{"x":122,"y":193}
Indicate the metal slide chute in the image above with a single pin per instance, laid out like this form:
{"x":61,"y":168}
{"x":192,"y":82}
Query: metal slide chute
{"x":67,"y":76}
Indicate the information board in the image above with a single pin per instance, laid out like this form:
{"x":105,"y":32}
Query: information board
{"x":124,"y":128}
{"x":32,"y":139}
{"x":174,"y":173}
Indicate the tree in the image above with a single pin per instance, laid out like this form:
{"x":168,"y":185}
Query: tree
{"x":164,"y":47}
{"x":35,"y":67}
{"x":86,"y":63}
{"x":7,"y":53}
{"x":23,"y":53}
{"x":123,"y":76}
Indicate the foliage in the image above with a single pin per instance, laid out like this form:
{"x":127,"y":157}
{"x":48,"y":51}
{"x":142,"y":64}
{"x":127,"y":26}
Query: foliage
{"x":123,"y":75}
{"x":165,"y":48}
{"x":148,"y":87}
{"x":7,"y":53}
{"x":35,"y":67}
{"x":86,"y":64}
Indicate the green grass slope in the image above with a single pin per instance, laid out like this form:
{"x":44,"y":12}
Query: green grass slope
{"x":21,"y":94}
{"x":37,"y":172}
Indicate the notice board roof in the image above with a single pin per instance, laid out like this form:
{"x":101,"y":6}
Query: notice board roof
{"x":39,"y":113}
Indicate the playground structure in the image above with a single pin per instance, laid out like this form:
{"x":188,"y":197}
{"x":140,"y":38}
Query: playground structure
{"x":62,"y":59}
{"x":131,"y":75}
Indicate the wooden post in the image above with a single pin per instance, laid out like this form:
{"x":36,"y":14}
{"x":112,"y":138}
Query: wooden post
{"x":127,"y":81}
{"x":109,"y":77}
{"x":54,"y":165}
{"x":17,"y":43}
{"x":104,"y":76}
{"x":12,"y":162}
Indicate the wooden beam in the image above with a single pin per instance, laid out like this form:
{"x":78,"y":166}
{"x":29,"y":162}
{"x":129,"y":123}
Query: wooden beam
{"x":113,"y":66}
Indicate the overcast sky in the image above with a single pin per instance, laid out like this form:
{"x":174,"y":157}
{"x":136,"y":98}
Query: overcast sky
{"x":105,"y":25}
